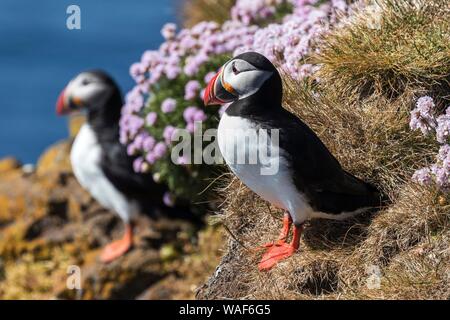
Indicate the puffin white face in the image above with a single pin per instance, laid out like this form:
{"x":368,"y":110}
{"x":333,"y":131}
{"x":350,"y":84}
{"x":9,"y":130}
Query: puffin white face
{"x":84,"y":90}
{"x":237,"y":79}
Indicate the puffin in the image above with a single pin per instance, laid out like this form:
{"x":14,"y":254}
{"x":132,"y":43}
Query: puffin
{"x":308,"y":182}
{"x":100,"y":162}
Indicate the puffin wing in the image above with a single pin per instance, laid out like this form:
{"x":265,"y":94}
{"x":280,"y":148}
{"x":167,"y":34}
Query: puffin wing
{"x":316,"y":172}
{"x":117,"y":166}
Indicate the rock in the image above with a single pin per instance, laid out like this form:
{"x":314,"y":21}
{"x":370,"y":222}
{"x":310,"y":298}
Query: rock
{"x":13,"y":189}
{"x":75,"y":123}
{"x":9,"y":164}
{"x":168,"y":252}
{"x":49,"y":223}
{"x":2,"y":270}
{"x":162,"y":290}
{"x":55,"y":160}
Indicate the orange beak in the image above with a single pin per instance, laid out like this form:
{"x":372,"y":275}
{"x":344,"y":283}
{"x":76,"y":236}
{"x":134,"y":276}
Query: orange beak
{"x":218,"y":92}
{"x":60,"y":104}
{"x":66,"y":105}
{"x":209,"y":98}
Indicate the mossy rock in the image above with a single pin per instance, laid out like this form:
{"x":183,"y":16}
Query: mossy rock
{"x":75,"y":123}
{"x":9,"y":164}
{"x":56,"y":159}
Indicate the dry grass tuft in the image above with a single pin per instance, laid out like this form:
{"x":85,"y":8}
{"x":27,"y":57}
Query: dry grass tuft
{"x":195,"y":11}
{"x":400,"y":251}
{"x":399,"y":44}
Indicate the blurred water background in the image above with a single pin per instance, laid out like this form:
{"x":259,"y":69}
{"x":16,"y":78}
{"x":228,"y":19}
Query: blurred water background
{"x":39,"y":55}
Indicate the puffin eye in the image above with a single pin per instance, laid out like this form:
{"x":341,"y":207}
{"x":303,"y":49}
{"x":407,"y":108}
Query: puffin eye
{"x":84,"y":82}
{"x":234,"y":69}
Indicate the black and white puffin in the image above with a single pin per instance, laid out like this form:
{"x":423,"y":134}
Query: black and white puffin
{"x":309,"y":182}
{"x":100,"y":162}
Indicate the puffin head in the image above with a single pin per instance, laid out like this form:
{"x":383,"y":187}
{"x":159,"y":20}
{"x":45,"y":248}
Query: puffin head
{"x":89,"y":90}
{"x":250,"y":74}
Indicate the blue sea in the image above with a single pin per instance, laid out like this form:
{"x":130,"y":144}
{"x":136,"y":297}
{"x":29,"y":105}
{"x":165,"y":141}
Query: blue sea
{"x":39,"y":55}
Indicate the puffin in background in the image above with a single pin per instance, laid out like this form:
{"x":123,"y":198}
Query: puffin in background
{"x":100,"y":162}
{"x":310,"y":182}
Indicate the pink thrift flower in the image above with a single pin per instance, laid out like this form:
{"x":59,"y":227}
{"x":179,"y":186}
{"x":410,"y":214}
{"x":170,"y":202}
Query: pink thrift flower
{"x":209,"y":76}
{"x":150,"y":157}
{"x":199,"y":115}
{"x":422,"y":116}
{"x":191,"y":89}
{"x":183,"y":160}
{"x":443,"y":128}
{"x":168,"y":133}
{"x":168,"y":105}
{"x":172,"y":72}
{"x":190,"y":127}
{"x":169,"y":31}
{"x":137,"y":164}
{"x":150,"y":119}
{"x":160,"y":150}
{"x":131,"y":149}
{"x":422,"y":176}
{"x":148,"y":143}
{"x":189,"y":113}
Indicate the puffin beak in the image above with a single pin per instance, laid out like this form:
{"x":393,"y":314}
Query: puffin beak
{"x":61,"y":104}
{"x":218,"y":92}
{"x":65,"y":105}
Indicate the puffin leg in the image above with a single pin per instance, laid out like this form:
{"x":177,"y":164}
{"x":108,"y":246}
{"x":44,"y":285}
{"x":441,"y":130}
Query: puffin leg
{"x":281,"y":251}
{"x":287,"y":222}
{"x":118,"y":248}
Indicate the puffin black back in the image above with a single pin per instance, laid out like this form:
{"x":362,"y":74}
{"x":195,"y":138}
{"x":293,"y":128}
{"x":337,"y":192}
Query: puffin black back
{"x":104,"y":117}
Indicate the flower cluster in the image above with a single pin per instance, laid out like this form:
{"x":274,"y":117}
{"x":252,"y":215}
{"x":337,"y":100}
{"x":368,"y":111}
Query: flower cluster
{"x":424,"y":118}
{"x":288,"y":44}
{"x":443,"y":127}
{"x":170,"y":81}
{"x":254,"y":11}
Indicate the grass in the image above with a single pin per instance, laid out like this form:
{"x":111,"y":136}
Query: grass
{"x":368,"y":83}
{"x":195,"y":11}
{"x":401,"y":44}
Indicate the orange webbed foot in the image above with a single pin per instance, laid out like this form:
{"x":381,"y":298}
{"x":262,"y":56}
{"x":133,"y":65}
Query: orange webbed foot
{"x":280,"y":250}
{"x":274,"y":254}
{"x":287,"y":221}
{"x":279,"y":242}
{"x":117,"y":248}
